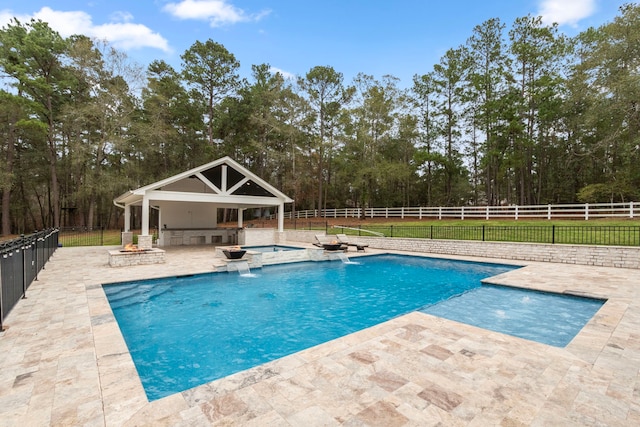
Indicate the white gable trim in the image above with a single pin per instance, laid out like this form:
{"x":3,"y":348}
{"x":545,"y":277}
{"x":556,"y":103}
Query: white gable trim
{"x":135,"y":196}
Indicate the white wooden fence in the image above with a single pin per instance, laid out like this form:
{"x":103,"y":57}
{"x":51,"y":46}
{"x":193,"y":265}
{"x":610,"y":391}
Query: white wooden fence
{"x":584,"y":211}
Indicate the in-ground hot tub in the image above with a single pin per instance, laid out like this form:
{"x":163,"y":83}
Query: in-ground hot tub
{"x":278,"y":254}
{"x":272,"y":248}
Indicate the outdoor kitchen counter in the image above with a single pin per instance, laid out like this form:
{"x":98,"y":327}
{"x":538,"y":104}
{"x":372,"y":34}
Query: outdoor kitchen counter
{"x":197,"y":236}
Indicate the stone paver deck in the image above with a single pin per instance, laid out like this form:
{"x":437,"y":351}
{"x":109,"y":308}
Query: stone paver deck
{"x":63,"y":362}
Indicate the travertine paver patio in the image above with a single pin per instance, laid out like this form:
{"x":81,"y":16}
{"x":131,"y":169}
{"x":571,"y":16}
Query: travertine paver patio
{"x":63,"y":362}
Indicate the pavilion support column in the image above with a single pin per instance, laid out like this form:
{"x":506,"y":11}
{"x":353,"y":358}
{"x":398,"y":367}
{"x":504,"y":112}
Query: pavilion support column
{"x":145,"y":216}
{"x":240,"y":215}
{"x":281,"y":218}
{"x":127,"y":218}
{"x":127,"y":235}
{"x":145,"y":240}
{"x":127,"y":238}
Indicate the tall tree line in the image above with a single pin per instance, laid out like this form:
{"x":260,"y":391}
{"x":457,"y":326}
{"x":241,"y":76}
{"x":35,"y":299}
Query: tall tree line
{"x":518,"y":116}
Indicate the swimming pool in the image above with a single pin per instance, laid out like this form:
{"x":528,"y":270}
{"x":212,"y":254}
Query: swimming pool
{"x":272,"y":248}
{"x":186,"y":331}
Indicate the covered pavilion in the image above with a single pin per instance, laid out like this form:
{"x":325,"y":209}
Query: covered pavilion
{"x":188,"y":203}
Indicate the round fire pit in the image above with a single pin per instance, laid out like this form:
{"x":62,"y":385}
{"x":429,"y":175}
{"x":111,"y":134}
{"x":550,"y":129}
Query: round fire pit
{"x":234,"y":253}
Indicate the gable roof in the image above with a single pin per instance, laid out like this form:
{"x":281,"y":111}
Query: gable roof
{"x":223,"y":182}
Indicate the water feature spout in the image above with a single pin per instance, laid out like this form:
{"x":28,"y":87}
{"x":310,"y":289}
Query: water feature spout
{"x":345,"y":259}
{"x":243,"y":269}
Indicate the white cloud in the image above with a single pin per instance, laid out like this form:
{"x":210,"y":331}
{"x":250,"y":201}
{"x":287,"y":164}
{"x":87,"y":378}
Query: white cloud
{"x":287,"y":75}
{"x":121,"y":33}
{"x":130,"y":36}
{"x":121,"y":16}
{"x":217,"y":12}
{"x":566,"y":12}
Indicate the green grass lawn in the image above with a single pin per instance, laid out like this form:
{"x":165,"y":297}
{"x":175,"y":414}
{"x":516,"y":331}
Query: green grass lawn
{"x":623,"y":232}
{"x":89,"y":238}
{"x":509,"y":222}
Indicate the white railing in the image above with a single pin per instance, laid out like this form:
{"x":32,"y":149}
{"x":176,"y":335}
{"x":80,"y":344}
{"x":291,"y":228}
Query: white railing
{"x":584,"y":211}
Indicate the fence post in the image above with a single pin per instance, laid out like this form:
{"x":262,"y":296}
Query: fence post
{"x":24,"y":271}
{"x":483,"y":232}
{"x":586,"y":211}
{"x":431,"y":232}
{"x":35,"y":245}
{"x":548,"y":212}
{"x":34,"y":264}
{"x":553,"y":234}
{"x":25,"y":277}
{"x":631,"y":210}
{"x":391,"y":232}
{"x":1,"y":292}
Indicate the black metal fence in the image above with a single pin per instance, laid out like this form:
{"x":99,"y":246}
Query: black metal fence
{"x":20,"y":262}
{"x":88,"y":236}
{"x":561,"y":234}
{"x":611,"y":235}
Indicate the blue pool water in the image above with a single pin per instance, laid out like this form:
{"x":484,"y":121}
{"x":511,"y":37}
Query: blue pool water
{"x":272,"y":248}
{"x":539,"y":316}
{"x":186,"y":331}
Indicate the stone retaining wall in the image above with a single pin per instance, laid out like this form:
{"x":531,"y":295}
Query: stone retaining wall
{"x":604,"y":256}
{"x":308,"y":236}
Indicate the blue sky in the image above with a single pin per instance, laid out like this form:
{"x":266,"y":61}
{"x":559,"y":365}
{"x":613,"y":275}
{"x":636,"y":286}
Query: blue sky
{"x":400,"y":37}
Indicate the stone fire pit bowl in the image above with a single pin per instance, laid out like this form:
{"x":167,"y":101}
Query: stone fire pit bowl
{"x":332,"y":246}
{"x":234,"y":253}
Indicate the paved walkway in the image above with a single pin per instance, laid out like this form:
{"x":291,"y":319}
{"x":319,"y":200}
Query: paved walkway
{"x":63,"y":362}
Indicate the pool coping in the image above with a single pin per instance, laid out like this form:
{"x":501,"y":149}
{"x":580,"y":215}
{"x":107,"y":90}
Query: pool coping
{"x":75,"y":347}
